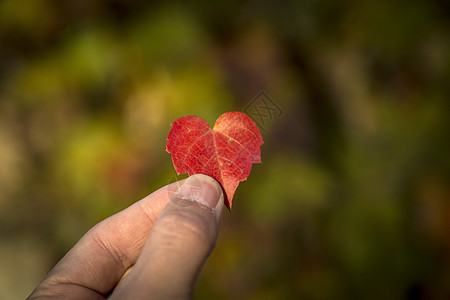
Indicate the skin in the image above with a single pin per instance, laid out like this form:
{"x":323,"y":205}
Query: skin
{"x":152,"y":249}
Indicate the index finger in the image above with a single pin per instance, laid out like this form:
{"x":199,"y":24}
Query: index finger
{"x":99,"y":260}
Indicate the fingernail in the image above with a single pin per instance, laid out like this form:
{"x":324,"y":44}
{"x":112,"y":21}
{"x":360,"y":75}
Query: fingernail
{"x":202,"y":189}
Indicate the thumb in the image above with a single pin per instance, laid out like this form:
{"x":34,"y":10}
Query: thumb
{"x":181,"y":240}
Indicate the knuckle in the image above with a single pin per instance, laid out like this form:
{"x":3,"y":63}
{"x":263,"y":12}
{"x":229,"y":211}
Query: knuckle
{"x":176,"y":228}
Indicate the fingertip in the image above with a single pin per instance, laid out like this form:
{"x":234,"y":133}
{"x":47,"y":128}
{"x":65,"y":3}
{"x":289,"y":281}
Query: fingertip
{"x":203,"y":189}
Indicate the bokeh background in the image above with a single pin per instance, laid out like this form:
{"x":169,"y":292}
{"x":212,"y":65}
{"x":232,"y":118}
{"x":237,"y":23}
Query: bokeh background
{"x":352,"y":200}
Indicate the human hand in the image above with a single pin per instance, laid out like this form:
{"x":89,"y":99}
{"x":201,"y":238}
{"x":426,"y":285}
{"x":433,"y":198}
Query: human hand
{"x":153,"y":249}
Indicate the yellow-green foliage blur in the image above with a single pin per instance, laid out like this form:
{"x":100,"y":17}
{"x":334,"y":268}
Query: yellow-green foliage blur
{"x":352,"y":200}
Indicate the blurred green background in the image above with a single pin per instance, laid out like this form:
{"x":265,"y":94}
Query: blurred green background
{"x":352,"y":200}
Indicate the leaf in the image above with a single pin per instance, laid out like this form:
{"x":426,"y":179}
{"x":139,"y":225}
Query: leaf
{"x":225,"y":152}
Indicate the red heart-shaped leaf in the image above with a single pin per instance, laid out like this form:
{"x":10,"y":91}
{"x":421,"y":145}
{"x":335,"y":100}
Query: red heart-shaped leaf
{"x":225,"y":152}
